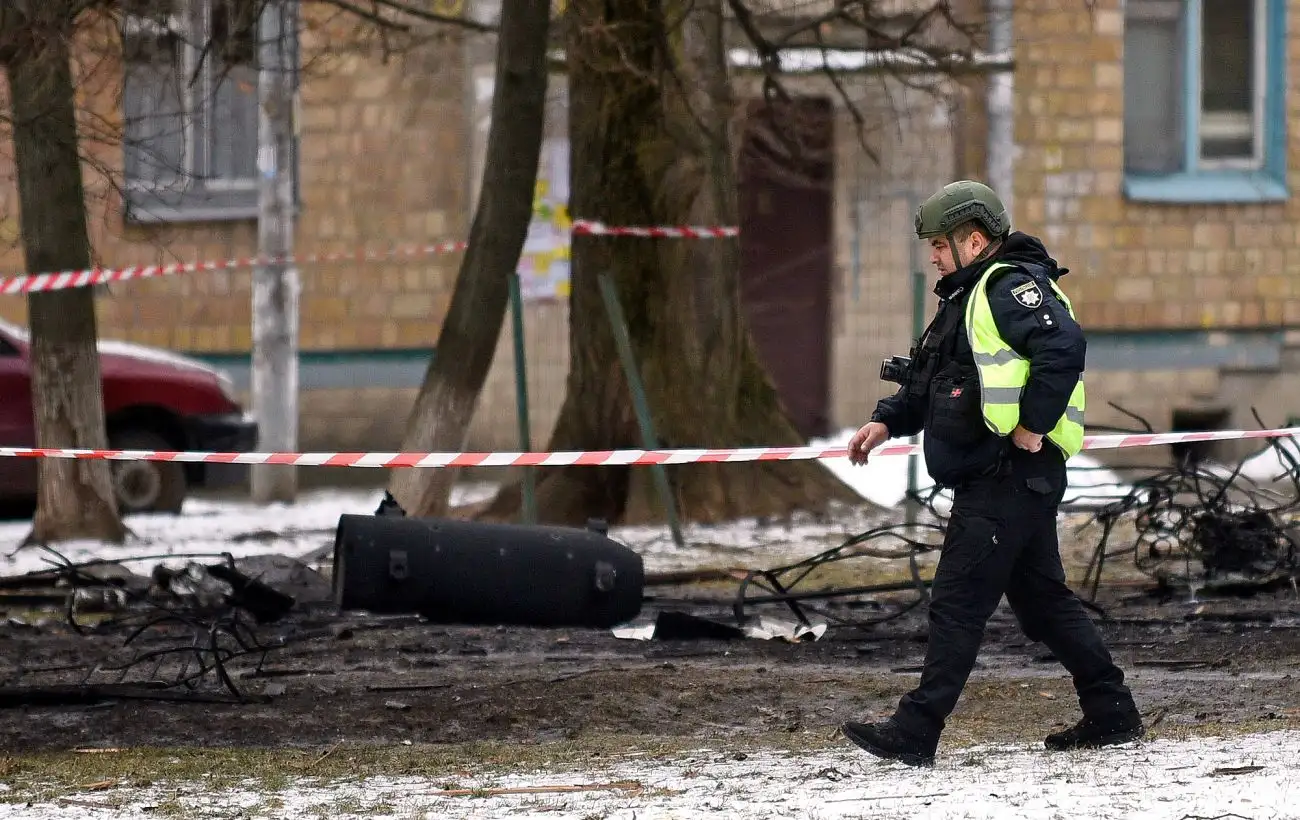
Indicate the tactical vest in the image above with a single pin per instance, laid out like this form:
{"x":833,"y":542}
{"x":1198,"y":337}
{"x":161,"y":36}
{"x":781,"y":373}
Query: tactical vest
{"x":1003,"y":373}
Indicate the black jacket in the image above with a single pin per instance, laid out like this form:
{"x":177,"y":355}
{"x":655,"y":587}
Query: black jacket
{"x":944,"y":398}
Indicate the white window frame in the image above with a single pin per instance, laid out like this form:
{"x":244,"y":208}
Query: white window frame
{"x":1259,"y":94}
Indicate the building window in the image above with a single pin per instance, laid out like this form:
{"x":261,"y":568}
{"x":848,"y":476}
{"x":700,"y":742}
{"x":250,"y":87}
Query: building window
{"x":1204,"y":116}
{"x":190,"y":109}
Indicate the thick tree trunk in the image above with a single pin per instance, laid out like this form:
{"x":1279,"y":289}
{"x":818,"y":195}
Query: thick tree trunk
{"x":650,"y":126}
{"x":75,"y":497}
{"x":468,"y":339}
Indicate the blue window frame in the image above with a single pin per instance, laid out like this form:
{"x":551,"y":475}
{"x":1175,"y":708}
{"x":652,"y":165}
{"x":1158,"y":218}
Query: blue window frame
{"x":1205,"y":116}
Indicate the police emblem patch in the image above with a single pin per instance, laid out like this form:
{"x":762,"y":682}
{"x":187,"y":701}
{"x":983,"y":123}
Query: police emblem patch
{"x":1028,"y":295}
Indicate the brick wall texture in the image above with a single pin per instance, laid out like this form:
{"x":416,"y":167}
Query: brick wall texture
{"x":383,"y":149}
{"x":1142,"y":265}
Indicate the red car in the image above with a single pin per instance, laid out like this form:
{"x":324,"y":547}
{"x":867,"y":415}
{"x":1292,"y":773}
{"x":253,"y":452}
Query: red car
{"x":153,"y":400}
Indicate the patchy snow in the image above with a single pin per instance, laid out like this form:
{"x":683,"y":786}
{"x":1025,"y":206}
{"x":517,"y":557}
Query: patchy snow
{"x":1269,"y":465}
{"x":883,"y":479}
{"x":1251,"y":776}
{"x":750,"y":543}
{"x":814,"y":60}
{"x":209,"y":526}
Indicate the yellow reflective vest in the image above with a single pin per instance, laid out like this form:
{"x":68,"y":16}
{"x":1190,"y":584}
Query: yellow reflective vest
{"x":1003,"y":372}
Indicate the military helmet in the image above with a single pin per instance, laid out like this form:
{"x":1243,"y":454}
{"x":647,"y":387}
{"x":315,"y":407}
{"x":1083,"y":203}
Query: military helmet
{"x":959,"y":203}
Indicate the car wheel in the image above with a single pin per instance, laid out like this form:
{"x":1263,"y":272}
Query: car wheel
{"x":147,"y":486}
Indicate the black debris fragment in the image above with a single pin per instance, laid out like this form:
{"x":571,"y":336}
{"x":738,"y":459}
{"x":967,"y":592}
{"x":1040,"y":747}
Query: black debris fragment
{"x":1198,"y":524}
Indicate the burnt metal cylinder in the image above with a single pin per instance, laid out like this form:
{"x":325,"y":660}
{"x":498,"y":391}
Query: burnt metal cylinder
{"x":477,"y":573}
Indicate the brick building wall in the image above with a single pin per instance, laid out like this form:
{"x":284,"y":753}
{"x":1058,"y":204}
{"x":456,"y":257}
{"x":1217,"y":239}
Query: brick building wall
{"x":1186,"y":299}
{"x":911,"y":152}
{"x":384,"y":146}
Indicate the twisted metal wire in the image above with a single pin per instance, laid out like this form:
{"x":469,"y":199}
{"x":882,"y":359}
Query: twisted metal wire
{"x":789,"y":585}
{"x":171,"y":641}
{"x":1194,"y":525}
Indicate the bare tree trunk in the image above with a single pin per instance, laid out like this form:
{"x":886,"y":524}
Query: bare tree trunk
{"x":75,"y":497}
{"x":468,"y":339}
{"x":649,"y":121}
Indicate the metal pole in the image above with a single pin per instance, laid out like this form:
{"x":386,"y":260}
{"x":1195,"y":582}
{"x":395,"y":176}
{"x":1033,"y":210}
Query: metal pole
{"x":1000,"y":158}
{"x":918,"y":325}
{"x":912,"y":507}
{"x":275,"y":286}
{"x":528,"y":512}
{"x":639,"y":402}
{"x":856,"y":247}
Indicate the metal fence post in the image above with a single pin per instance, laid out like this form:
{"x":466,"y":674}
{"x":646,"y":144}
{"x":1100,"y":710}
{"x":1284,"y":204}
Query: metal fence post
{"x":528,"y":511}
{"x":639,"y":402}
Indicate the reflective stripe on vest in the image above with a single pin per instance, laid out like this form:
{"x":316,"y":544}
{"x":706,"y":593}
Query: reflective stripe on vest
{"x":1003,"y":373}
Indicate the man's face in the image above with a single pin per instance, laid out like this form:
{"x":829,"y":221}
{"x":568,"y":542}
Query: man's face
{"x":968,"y":248}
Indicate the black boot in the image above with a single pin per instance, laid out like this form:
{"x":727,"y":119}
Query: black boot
{"x":1093,"y":733}
{"x":888,"y":740}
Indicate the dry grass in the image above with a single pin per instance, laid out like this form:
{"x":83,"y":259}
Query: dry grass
{"x":1004,"y":710}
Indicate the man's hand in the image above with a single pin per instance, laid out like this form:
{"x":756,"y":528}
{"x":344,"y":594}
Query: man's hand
{"x":868,"y":438}
{"x":1025,"y":440}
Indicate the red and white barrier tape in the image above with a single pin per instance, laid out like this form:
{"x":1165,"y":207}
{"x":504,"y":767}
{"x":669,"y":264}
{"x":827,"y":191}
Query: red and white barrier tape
{"x":598,"y":458}
{"x":587,"y":227}
{"x":30,"y":283}
{"x":34,"y":282}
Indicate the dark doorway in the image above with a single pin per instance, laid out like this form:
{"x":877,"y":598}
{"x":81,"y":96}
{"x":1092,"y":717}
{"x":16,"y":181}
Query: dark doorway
{"x":786,"y":201}
{"x":1197,"y":421}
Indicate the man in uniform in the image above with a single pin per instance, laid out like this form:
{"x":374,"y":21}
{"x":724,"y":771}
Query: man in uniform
{"x":996,"y":383}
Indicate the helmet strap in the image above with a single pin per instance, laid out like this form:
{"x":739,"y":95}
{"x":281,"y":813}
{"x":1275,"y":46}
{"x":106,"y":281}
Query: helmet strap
{"x":956,"y":255}
{"x":989,"y":250}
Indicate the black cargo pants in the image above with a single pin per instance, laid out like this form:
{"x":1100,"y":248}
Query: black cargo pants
{"x":1001,"y":539}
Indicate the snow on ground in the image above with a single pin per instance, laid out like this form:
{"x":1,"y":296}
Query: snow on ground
{"x":1252,"y":776}
{"x":209,"y":527}
{"x":1269,"y":465}
{"x":747,"y":542}
{"x":883,"y":479}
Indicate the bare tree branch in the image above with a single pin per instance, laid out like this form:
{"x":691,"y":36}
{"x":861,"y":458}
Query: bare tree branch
{"x":769,"y":56}
{"x":376,"y":16}
{"x":434,"y":17}
{"x":369,"y":16}
{"x":932,"y":42}
{"x":814,"y":24}
{"x":859,"y":121}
